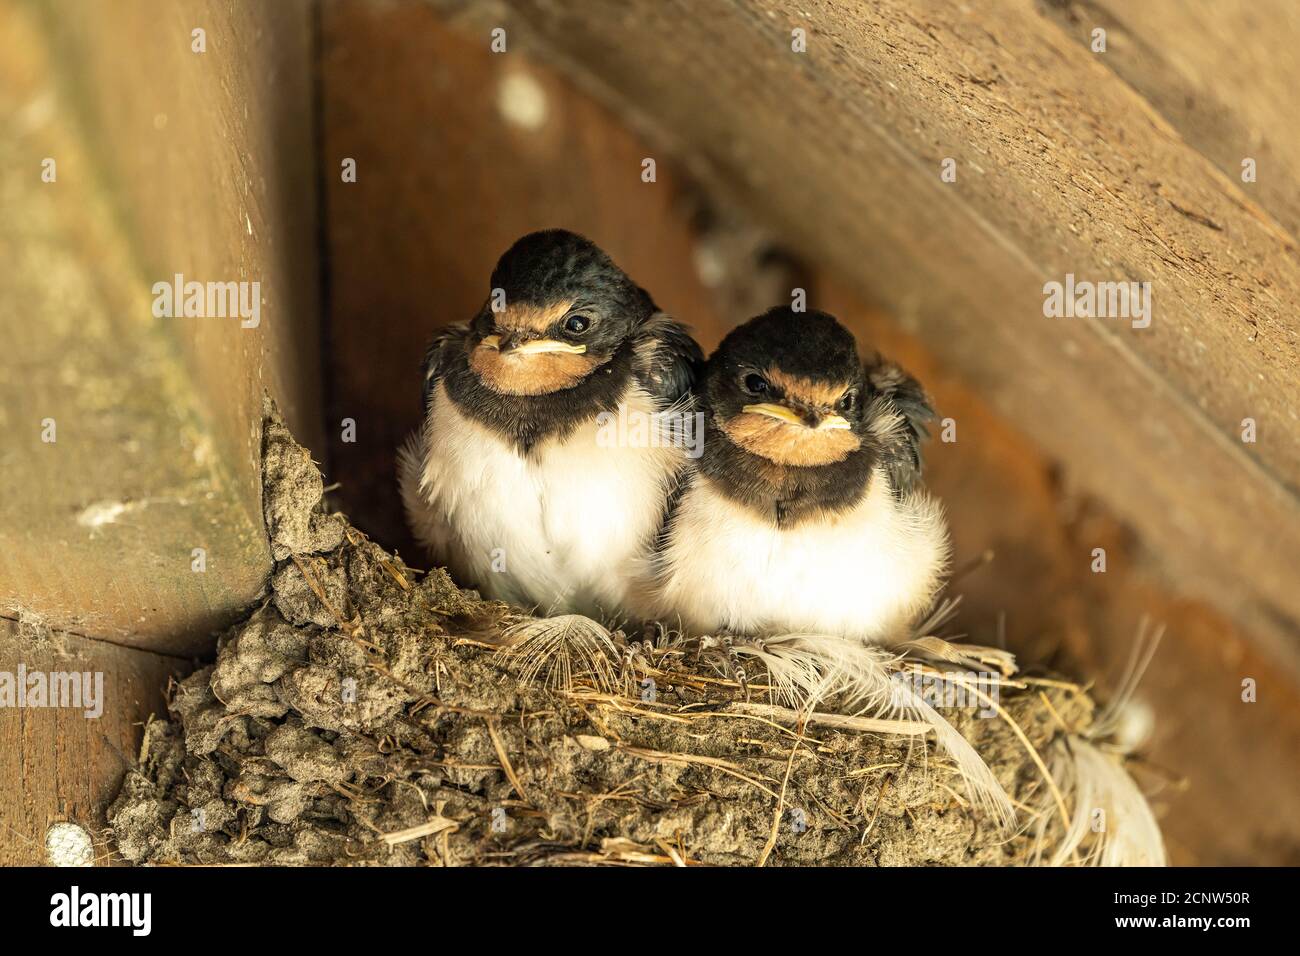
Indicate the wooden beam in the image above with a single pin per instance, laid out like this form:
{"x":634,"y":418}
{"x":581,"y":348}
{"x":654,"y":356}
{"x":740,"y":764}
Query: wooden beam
{"x":1222,"y":74}
{"x":167,"y":161}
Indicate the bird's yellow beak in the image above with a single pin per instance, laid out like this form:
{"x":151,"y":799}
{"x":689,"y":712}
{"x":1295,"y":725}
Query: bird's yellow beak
{"x":772,"y":410}
{"x":535,"y":346}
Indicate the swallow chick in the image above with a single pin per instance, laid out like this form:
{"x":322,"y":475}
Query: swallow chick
{"x":803,"y":514}
{"x":518,"y":482}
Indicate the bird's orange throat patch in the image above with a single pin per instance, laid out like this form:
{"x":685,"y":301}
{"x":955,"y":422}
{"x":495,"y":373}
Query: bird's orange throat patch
{"x":517,"y":373}
{"x":522,"y":374}
{"x":788,"y":444}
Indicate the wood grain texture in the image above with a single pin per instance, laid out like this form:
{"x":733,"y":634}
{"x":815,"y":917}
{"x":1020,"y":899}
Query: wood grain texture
{"x":1222,"y":74}
{"x":57,"y":764}
{"x":1062,"y":168}
{"x":168,"y":161}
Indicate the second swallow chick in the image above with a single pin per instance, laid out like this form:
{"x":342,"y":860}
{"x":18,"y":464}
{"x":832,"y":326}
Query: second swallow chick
{"x":803,"y":514}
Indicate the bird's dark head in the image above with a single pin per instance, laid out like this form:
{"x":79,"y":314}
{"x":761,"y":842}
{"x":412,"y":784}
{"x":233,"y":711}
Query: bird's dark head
{"x":559,"y":309}
{"x":789,"y":387}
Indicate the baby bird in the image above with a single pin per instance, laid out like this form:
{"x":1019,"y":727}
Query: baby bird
{"x":513,"y":482}
{"x":803,"y":513}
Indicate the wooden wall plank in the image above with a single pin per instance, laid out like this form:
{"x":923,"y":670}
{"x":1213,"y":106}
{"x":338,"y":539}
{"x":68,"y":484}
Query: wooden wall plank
{"x":1223,"y":74}
{"x":168,"y":161}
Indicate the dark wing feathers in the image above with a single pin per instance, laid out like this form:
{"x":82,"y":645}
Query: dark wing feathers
{"x":905,"y":397}
{"x":667,"y":359}
{"x":437,"y":356}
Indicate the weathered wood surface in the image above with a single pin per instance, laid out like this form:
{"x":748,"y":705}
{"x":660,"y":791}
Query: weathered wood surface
{"x":168,"y":161}
{"x":1223,"y":74}
{"x":57,"y":764}
{"x":1062,"y":167}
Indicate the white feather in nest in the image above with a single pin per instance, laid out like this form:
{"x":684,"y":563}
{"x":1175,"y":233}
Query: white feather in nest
{"x":974,"y":657}
{"x":944,"y":610}
{"x":1115,"y":720}
{"x":1111,"y":822}
{"x":558,"y":649}
{"x":807,"y":668}
{"x":925,"y":643}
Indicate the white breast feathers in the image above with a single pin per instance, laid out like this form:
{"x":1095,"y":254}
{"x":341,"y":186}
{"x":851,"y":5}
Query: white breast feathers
{"x":563,"y":529}
{"x":865,"y":573}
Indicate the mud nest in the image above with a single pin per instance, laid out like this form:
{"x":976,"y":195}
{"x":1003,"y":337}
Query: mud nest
{"x":365,"y":714}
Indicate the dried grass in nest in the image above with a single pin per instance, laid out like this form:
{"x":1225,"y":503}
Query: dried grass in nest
{"x":364,"y":715}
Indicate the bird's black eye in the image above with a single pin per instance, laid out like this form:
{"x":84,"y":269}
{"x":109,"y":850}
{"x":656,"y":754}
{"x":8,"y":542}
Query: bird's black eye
{"x":848,"y":402}
{"x":755,"y":384}
{"x":577,"y":324}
